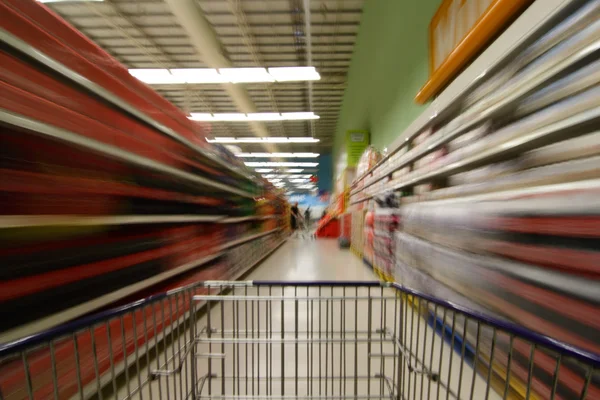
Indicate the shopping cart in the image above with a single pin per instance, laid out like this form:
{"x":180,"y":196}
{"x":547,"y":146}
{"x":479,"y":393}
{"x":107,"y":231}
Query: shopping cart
{"x":294,"y":340}
{"x":304,"y":230}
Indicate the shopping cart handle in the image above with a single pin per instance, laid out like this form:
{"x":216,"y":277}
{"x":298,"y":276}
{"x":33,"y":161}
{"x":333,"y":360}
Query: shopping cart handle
{"x":324,"y":283}
{"x":226,"y":283}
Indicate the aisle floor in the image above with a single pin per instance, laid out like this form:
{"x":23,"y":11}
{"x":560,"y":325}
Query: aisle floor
{"x":310,"y":343}
{"x":310,"y":260}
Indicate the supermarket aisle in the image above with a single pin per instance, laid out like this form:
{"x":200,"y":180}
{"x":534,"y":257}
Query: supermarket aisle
{"x":300,"y":259}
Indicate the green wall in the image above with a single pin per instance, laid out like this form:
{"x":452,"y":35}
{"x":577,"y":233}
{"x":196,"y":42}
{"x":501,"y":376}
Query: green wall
{"x":388,"y":67}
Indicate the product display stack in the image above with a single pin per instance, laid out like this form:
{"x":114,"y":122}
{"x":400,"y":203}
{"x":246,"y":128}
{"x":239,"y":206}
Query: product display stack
{"x":386,"y":222}
{"x":356,"y":236}
{"x":500,"y":190}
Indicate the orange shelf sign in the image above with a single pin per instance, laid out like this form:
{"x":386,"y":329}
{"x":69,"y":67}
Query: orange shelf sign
{"x":459,"y":30}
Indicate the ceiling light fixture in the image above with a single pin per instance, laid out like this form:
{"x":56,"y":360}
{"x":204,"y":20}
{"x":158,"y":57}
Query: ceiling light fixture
{"x":287,"y":74}
{"x":246,"y":75}
{"x":293,"y":171}
{"x":237,"y":117}
{"x":278,"y":155}
{"x":264,"y":170}
{"x":262,"y":140}
{"x":162,"y":76}
{"x":281,"y":164}
{"x":286,"y":176}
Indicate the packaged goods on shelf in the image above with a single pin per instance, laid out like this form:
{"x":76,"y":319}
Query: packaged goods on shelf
{"x":379,"y":247}
{"x":565,"y":29}
{"x":536,"y":297}
{"x":509,"y":217}
{"x":108,"y":190}
{"x":369,"y":158}
{"x":577,"y":148}
{"x":358,"y":224}
{"x":487,"y":172}
{"x":468,"y":138}
{"x":431,"y":161}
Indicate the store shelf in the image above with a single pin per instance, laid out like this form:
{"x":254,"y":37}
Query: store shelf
{"x":233,"y":220}
{"x":511,"y":94}
{"x":247,"y":239}
{"x":518,"y":33}
{"x":112,"y":151}
{"x":26,"y":49}
{"x":99,"y":302}
{"x":30,"y":221}
{"x":561,"y":130}
{"x":240,"y":274}
{"x":92,"y":389}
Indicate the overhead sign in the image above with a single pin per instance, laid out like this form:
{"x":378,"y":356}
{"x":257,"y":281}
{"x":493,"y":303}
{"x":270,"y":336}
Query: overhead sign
{"x":459,"y":30}
{"x":356,"y":143}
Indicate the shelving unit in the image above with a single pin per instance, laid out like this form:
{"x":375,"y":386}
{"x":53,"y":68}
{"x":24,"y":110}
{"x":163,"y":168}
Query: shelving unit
{"x":111,"y":192}
{"x":516,"y":36}
{"x":246,"y":239}
{"x":28,"y":50}
{"x":497,"y":186}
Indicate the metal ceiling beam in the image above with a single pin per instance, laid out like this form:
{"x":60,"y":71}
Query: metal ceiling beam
{"x":225,"y":13}
{"x":165,"y":58}
{"x":236,"y":36}
{"x":190,"y":16}
{"x":237,"y":11}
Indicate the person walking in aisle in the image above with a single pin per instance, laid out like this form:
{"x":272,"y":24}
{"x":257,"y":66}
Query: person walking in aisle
{"x":307,"y":217}
{"x":295,"y":213}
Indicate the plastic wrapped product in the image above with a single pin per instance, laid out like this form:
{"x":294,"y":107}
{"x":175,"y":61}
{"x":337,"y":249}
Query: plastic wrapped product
{"x":576,"y":148}
{"x":563,"y":88}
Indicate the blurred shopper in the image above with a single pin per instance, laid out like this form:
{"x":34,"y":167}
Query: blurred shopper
{"x":307,"y":216}
{"x":294,"y":216}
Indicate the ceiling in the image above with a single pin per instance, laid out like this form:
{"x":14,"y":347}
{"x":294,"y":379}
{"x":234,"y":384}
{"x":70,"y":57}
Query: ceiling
{"x":253,"y":33}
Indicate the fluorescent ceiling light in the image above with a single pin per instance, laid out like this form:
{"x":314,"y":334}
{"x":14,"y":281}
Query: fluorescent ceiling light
{"x":286,"y":74}
{"x":266,"y":139}
{"x":303,"y":140}
{"x":225,"y":117}
{"x":278,"y":155}
{"x":246,"y":75}
{"x":264,"y":170}
{"x":235,"y":140}
{"x":155,"y":76}
{"x":294,"y":116}
{"x":235,"y":117}
{"x":286,"y":176}
{"x":162,"y":76}
{"x":266,"y":116}
{"x":281,"y":164}
{"x":198,"y":75}
{"x":298,"y":180}
{"x":293,"y":171}
{"x":274,"y":180}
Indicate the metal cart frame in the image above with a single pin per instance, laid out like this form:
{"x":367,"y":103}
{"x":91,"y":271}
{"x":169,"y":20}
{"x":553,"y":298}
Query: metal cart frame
{"x":294,"y":340}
